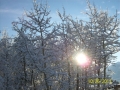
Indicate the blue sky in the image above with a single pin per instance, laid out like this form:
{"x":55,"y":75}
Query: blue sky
{"x":10,"y":10}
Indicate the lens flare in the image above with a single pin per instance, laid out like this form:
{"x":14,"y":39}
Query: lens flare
{"x":81,"y":59}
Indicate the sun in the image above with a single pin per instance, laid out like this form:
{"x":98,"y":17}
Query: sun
{"x":81,"y":58}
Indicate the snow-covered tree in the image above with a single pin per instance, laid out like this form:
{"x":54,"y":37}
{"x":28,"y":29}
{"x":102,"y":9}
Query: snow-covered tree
{"x":6,"y":68}
{"x":37,"y":40}
{"x":42,"y":56}
{"x":98,"y":38}
{"x":104,"y":29}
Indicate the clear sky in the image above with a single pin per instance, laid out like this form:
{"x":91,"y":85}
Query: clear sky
{"x":10,"y":10}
